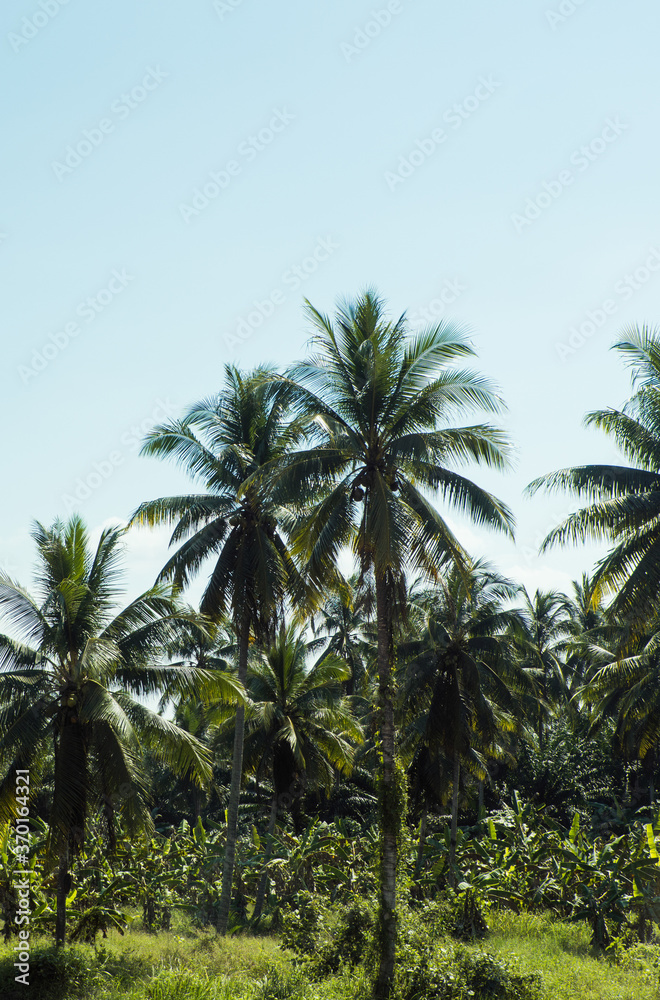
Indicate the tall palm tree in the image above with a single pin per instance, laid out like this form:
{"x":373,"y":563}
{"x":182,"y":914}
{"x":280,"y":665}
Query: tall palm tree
{"x":541,"y":632}
{"x":623,"y":501}
{"x":343,"y":618}
{"x":623,"y":685}
{"x":208,"y":651}
{"x":460,"y":678}
{"x":587,"y":626}
{"x":301,"y":730}
{"x":378,"y":402}
{"x":68,"y":677}
{"x":222,"y":442}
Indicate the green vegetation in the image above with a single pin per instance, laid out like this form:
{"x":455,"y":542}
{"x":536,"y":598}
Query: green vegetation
{"x":419,"y":781}
{"x":525,"y":957}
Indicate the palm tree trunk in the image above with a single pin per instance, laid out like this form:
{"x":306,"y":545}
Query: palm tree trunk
{"x":63,"y":885}
{"x":654,"y":757}
{"x":422,"y":842}
{"x":454,"y":821}
{"x":196,"y":800}
{"x":261,"y":891}
{"x":481,"y":797}
{"x":389,"y":818}
{"x":235,"y":787}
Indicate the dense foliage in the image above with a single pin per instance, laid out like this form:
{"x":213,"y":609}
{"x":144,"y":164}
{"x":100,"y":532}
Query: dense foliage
{"x":361,"y":764}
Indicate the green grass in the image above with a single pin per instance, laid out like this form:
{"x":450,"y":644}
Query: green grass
{"x":142,"y":965}
{"x":186,"y":963}
{"x":188,"y":947}
{"x":570,"y":970}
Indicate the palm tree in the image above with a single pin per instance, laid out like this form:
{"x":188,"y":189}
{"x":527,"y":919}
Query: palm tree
{"x":222,"y":442}
{"x":460,"y":679}
{"x":623,"y":685}
{"x":377,"y":404}
{"x":197,"y":717}
{"x":587,"y":626}
{"x":343,"y":618}
{"x":68,"y":677}
{"x":624,"y":501}
{"x":300,"y":726}
{"x":541,"y":632}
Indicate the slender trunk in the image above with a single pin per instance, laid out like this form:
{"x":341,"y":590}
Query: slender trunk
{"x":111,"y":830}
{"x":71,"y":746}
{"x":454,"y":821}
{"x":542,"y":709}
{"x":349,"y":685}
{"x":654,"y":757}
{"x":235,"y":787}
{"x":422,"y":842}
{"x":481,"y":798}
{"x":63,"y":885}
{"x":263,"y":881}
{"x":389,"y":819}
{"x":196,"y":796}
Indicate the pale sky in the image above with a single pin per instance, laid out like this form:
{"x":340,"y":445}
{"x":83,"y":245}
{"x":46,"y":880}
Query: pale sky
{"x":178,"y":177}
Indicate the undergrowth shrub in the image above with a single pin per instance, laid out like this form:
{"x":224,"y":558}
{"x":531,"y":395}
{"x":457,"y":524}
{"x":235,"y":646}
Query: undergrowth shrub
{"x":181,"y":984}
{"x":351,"y":940}
{"x":301,"y":926}
{"x":456,"y":974}
{"x":55,"y":974}
{"x":469,"y":919}
{"x":281,"y":986}
{"x":489,"y":977}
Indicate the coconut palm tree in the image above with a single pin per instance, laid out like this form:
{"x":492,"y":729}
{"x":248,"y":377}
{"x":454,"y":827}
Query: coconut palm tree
{"x":300,"y":728}
{"x":588,"y":627}
{"x":343,"y":617}
{"x":70,"y":669}
{"x":623,"y":685}
{"x":378,"y":404}
{"x":208,"y":650}
{"x":222,"y":442}
{"x":460,"y":680}
{"x":541,"y":632}
{"x":623,"y":501}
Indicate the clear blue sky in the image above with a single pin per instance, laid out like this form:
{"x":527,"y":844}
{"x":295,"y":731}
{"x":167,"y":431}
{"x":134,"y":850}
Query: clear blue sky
{"x":503,"y":156}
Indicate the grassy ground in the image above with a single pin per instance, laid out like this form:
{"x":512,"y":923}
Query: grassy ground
{"x":562,"y":955}
{"x":188,"y":964}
